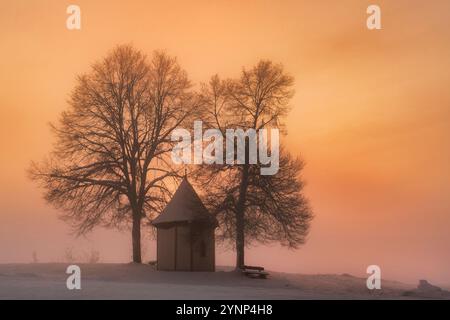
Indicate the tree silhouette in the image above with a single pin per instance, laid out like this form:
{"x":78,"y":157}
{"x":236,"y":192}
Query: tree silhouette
{"x":111,"y":160}
{"x":250,"y":206}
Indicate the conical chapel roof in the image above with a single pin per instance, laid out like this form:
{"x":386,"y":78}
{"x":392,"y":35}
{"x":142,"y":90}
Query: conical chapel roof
{"x":185,"y":206}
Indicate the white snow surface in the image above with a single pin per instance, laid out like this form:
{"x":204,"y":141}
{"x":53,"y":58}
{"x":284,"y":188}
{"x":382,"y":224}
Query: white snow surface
{"x":134,"y":281}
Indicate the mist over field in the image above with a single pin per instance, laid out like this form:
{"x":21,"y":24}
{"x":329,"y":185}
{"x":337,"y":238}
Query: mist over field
{"x":370,"y":117}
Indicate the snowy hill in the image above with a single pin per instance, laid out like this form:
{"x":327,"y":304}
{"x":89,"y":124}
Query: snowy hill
{"x":130,"y":281}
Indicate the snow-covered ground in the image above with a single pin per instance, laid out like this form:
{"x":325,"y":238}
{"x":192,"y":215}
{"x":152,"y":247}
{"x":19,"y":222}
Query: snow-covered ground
{"x":130,"y":281}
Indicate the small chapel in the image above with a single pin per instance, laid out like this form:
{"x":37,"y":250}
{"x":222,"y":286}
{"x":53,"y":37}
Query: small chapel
{"x":185,"y":233}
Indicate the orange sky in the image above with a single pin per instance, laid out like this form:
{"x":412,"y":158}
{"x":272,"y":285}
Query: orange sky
{"x":370,"y":116}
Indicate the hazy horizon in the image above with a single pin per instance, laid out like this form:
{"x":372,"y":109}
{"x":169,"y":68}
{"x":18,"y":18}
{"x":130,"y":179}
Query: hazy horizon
{"x":370,"y":117}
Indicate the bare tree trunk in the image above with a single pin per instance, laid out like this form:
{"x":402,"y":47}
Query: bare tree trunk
{"x":240,"y":221}
{"x":240,"y":241}
{"x":136,"y":235}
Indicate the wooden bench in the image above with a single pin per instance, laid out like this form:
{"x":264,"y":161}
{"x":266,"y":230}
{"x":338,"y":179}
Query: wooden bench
{"x":255,"y":272}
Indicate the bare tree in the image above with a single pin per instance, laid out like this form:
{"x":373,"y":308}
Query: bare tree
{"x":92,"y":257}
{"x":35,"y":257}
{"x":251,"y":206}
{"x":69,"y":255}
{"x":110,"y":163}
